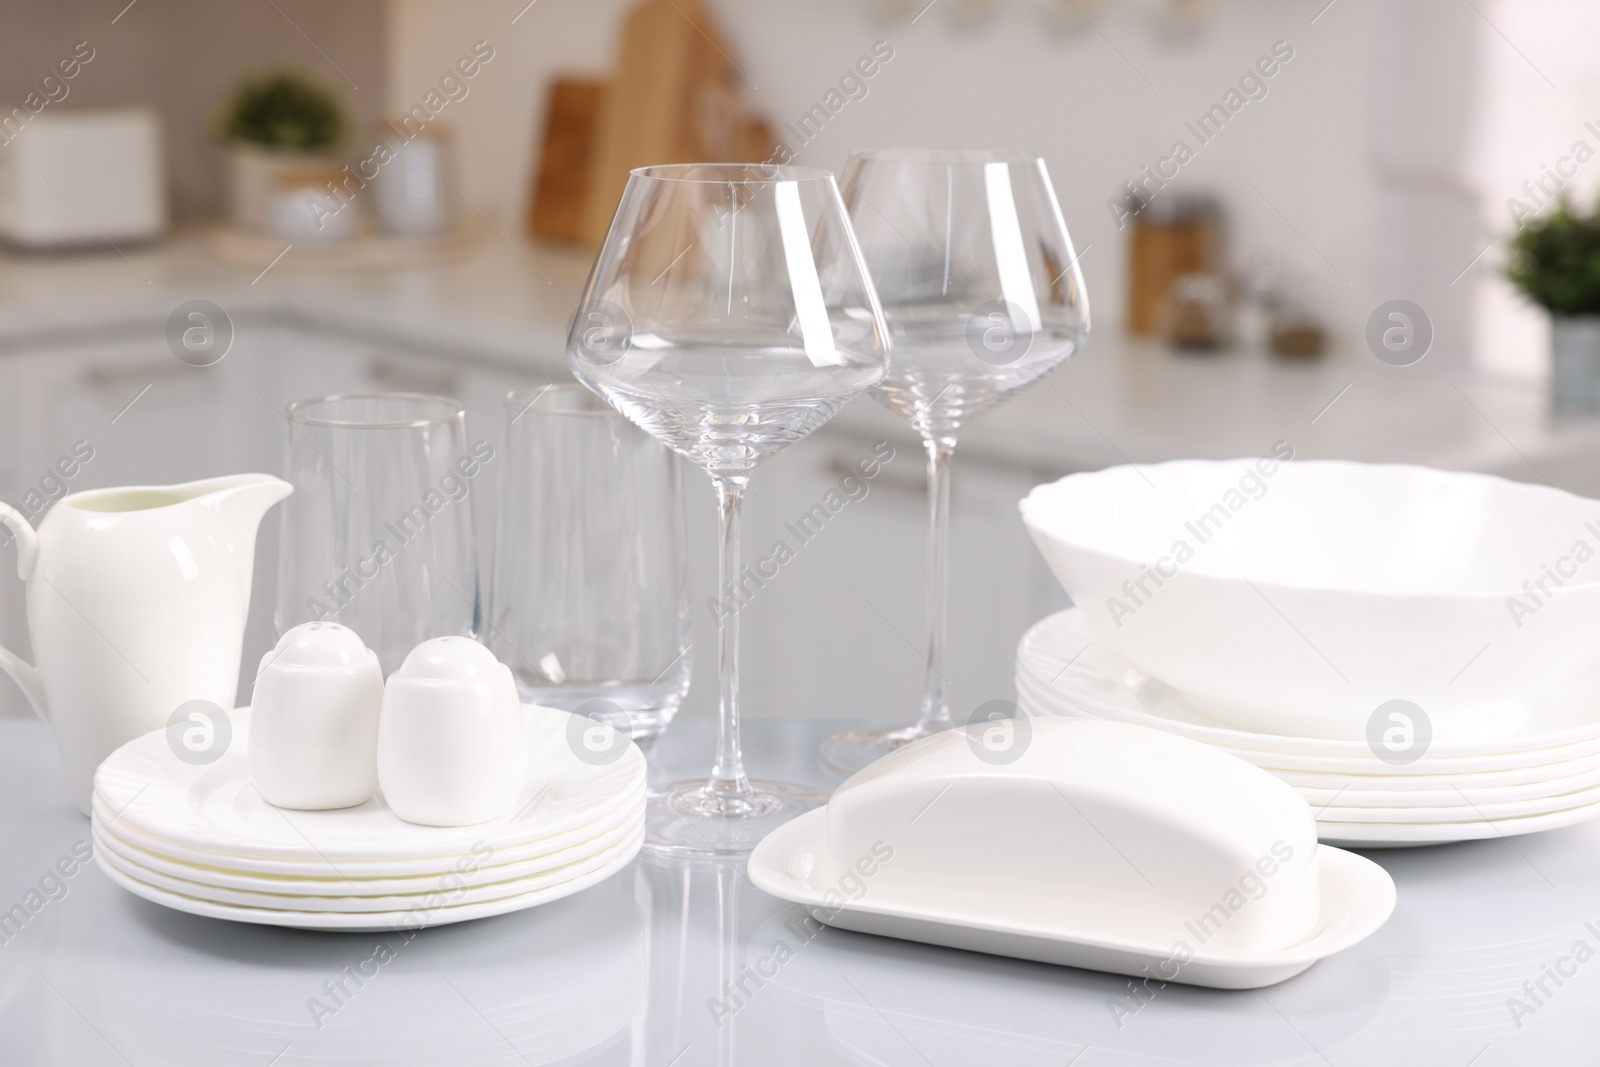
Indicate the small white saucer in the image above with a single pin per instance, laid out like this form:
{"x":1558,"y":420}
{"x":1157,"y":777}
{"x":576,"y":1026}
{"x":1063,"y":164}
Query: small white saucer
{"x":1357,"y":898}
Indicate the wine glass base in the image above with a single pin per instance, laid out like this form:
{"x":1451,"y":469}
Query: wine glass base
{"x":687,"y":819}
{"x":847,"y":751}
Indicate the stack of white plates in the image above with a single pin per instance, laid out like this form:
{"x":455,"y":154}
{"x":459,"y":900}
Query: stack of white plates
{"x":201,"y":839}
{"x":1545,"y":775}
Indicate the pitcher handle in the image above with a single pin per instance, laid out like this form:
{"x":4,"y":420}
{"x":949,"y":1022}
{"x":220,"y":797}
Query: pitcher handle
{"x":25,"y":674}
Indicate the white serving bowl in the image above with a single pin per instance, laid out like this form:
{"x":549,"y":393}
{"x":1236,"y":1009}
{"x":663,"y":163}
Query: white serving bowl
{"x":1298,"y":597}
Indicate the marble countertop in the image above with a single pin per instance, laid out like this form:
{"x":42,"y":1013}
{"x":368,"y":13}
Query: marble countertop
{"x":509,"y":302}
{"x":668,"y":965}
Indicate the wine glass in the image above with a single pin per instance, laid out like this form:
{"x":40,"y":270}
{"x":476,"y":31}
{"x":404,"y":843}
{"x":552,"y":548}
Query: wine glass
{"x":980,"y":288}
{"x":729,"y":314}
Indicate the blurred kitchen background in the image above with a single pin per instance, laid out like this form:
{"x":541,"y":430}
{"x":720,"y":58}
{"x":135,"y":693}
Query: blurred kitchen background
{"x":1296,"y":219}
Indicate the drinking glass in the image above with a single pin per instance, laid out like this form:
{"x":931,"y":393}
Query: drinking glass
{"x":980,"y":289}
{"x":378,"y":534}
{"x":589,"y":588}
{"x":729,"y":314}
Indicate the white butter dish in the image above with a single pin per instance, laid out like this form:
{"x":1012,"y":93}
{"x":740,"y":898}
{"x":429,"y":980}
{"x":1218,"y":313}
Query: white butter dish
{"x":1092,"y":844}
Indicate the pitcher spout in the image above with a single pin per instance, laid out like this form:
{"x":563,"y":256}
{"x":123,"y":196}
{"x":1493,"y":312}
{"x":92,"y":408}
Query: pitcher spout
{"x":243,"y":500}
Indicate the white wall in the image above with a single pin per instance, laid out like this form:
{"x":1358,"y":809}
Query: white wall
{"x":185,"y":58}
{"x":1010,"y":82}
{"x":1541,"y":89}
{"x":500,"y":121}
{"x":1376,"y":166}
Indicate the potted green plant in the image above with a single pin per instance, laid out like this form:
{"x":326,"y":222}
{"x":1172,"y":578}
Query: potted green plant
{"x":1555,"y":261}
{"x":277,"y":123}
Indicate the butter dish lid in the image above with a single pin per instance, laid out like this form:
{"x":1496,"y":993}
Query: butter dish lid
{"x":1084,"y":828}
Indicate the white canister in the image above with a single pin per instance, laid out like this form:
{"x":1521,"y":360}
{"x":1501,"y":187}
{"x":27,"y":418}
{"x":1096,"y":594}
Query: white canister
{"x":306,"y":210}
{"x":414,"y":197}
{"x":1575,"y":362}
{"x":451,"y":750}
{"x":314,"y":719}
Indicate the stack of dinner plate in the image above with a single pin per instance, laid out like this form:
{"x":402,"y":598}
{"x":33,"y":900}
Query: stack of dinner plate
{"x":199,"y":838}
{"x":1539,"y":778}
{"x":1417,"y":651}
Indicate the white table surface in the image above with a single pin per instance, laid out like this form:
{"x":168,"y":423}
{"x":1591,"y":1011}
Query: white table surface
{"x":628,"y":972}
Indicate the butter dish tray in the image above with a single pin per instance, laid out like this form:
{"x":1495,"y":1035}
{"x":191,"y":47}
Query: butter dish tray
{"x":1354,"y":905}
{"x":1097,"y":845}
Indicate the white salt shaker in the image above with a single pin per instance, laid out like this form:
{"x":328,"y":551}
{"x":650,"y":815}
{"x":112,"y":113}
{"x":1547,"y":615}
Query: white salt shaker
{"x":450,"y":743}
{"x":314,"y":719}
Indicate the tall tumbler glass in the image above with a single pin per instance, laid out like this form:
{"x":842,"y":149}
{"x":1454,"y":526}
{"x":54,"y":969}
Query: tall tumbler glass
{"x":380,"y":536}
{"x":589,"y":589}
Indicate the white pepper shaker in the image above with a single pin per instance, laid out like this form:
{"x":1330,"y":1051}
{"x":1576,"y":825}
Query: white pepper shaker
{"x":451,"y":750}
{"x":314,"y":719}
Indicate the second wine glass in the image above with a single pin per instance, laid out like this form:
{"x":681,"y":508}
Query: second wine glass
{"x":980,"y":288}
{"x":729,"y":314}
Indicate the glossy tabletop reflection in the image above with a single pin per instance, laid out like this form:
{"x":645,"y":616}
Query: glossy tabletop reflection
{"x":1492,"y":957}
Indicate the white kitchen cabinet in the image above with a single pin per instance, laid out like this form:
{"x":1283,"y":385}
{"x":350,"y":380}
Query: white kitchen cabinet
{"x":148,"y":417}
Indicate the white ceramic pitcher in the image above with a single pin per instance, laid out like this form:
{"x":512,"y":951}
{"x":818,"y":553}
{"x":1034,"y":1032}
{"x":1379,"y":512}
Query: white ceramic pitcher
{"x":137,"y":600}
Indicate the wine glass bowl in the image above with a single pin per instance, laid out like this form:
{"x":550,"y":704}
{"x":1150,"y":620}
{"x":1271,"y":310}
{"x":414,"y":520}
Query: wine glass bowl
{"x":729,"y":314}
{"x":982,"y":297}
{"x":976,"y":274}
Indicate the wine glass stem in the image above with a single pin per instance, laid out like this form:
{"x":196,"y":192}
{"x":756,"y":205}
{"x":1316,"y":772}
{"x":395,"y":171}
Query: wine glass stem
{"x":728,"y":779}
{"x":935,"y":715}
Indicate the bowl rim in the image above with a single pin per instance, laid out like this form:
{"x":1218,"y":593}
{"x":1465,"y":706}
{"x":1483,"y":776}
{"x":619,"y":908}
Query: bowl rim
{"x":1030,"y":503}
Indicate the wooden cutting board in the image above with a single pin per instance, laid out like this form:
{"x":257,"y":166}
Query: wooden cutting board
{"x":674,"y":98}
{"x":561,"y":190}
